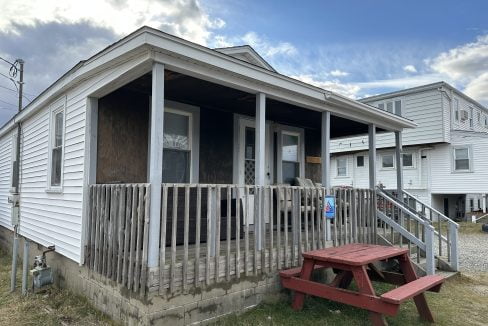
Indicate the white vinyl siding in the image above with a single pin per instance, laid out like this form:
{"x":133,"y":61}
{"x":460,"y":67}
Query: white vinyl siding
{"x":424,"y":108}
{"x":5,"y":178}
{"x":54,"y":218}
{"x":444,"y":180}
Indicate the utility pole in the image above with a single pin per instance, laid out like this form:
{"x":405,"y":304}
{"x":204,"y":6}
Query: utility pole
{"x":16,"y":186}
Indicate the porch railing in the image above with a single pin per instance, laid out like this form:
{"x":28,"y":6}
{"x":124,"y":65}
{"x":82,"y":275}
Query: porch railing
{"x":118,"y":233}
{"x":426,"y":231}
{"x":216,"y":233}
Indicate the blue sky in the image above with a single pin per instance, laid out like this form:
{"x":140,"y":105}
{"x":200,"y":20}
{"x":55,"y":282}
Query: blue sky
{"x":357,"y":48}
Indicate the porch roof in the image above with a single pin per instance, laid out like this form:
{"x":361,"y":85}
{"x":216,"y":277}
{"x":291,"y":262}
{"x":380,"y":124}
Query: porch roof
{"x":149,"y":45}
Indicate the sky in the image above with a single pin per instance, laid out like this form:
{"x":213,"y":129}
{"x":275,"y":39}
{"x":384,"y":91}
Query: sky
{"x":357,"y":48}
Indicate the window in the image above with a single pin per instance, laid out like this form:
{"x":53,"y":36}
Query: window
{"x":398,"y":107}
{"x":394,"y":106}
{"x":360,"y":161}
{"x":479,"y":117}
{"x":387,"y":161}
{"x":486,"y":121}
{"x":462,"y":159}
{"x":290,"y":157}
{"x":471,"y":117}
{"x":471,"y":205}
{"x":342,"y":167}
{"x":177,"y":140}
{"x":455,"y":105}
{"x":389,"y":107}
{"x":57,"y":128}
{"x":407,"y":160}
{"x":14,"y":182}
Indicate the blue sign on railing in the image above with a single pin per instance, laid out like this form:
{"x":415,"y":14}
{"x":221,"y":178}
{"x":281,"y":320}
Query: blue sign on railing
{"x":329,"y":207}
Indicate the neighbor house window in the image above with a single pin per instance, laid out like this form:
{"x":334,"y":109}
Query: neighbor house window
{"x":57,"y":125}
{"x":407,"y":160}
{"x":177,"y":141}
{"x":471,"y":117}
{"x":455,"y":107}
{"x":360,"y":161}
{"x":387,"y":161}
{"x":462,"y":161}
{"x":342,"y":167}
{"x":290,"y":157}
{"x":486,"y":121}
{"x":479,"y":117}
{"x":394,"y":106}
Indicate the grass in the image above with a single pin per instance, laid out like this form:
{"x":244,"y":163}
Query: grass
{"x":51,"y":307}
{"x":463,"y":300}
{"x":464,"y":227}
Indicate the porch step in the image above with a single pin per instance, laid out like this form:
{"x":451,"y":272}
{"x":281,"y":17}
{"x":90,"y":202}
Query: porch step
{"x":412,"y":289}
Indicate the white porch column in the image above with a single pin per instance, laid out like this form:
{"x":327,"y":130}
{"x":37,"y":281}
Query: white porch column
{"x":260,"y":139}
{"x":372,"y":155}
{"x":372,"y":172}
{"x":259,"y":167}
{"x":156,"y":162}
{"x":325,"y":153}
{"x":399,"y":163}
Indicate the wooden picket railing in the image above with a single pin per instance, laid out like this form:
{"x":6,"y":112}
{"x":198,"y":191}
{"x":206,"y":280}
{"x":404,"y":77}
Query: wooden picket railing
{"x":217,"y":233}
{"x":118,"y":233}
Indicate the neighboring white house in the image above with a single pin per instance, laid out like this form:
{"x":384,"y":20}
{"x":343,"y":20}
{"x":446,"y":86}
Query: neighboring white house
{"x":445,"y":159}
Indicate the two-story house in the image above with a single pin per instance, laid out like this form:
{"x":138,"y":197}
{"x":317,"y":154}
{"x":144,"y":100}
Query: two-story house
{"x":445,"y":159}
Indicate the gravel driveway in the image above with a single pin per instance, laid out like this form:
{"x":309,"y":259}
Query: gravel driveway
{"x":473,"y":252}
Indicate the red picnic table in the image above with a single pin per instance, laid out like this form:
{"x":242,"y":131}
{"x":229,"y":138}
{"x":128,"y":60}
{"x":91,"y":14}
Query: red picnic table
{"x":358,"y":261}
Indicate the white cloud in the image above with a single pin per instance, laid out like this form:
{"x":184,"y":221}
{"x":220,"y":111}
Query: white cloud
{"x":410,"y":68}
{"x":464,"y":62}
{"x":184,"y":18}
{"x":478,"y":88}
{"x":338,"y":73}
{"x":261,"y":44}
{"x":346,"y":89}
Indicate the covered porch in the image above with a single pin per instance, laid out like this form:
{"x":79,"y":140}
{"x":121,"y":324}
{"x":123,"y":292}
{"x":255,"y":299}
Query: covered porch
{"x":193,"y":182}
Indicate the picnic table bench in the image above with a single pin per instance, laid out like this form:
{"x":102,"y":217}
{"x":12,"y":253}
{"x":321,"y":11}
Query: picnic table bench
{"x":358,"y":262}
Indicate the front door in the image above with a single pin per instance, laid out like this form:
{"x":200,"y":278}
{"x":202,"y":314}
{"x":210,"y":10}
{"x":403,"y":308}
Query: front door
{"x":246,"y":157}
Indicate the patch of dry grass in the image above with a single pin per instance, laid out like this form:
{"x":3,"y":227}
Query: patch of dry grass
{"x":463,"y":300}
{"x":52,"y":307}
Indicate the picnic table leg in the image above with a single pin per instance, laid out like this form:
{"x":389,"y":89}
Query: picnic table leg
{"x":364,"y":285}
{"x":306,"y":274}
{"x":420,"y":300}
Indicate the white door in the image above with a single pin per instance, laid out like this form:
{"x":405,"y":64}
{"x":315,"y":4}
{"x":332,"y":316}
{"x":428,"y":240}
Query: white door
{"x":246,"y":159}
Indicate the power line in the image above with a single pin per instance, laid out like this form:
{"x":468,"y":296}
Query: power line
{"x":7,"y":103}
{"x":10,"y":63}
{"x":1,"y":108}
{"x":13,"y":90}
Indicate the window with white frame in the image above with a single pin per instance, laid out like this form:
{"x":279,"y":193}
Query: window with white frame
{"x":342,"y":166}
{"x":479,"y":117}
{"x":407,"y":160}
{"x":290,"y":156}
{"x":471,"y":113}
{"x":57,"y":140}
{"x":455,"y":107}
{"x":360,"y":161}
{"x":177,"y":146}
{"x":387,"y":161}
{"x":462,"y":158}
{"x":486,"y":121}
{"x":392,"y":106}
{"x":14,"y":182}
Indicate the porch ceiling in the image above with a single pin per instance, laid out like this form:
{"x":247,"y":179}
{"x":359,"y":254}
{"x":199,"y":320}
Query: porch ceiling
{"x":201,"y":93}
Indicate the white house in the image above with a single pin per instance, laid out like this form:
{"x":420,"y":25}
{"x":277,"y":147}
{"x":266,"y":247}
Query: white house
{"x":142,"y":163}
{"x":445,"y":159}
